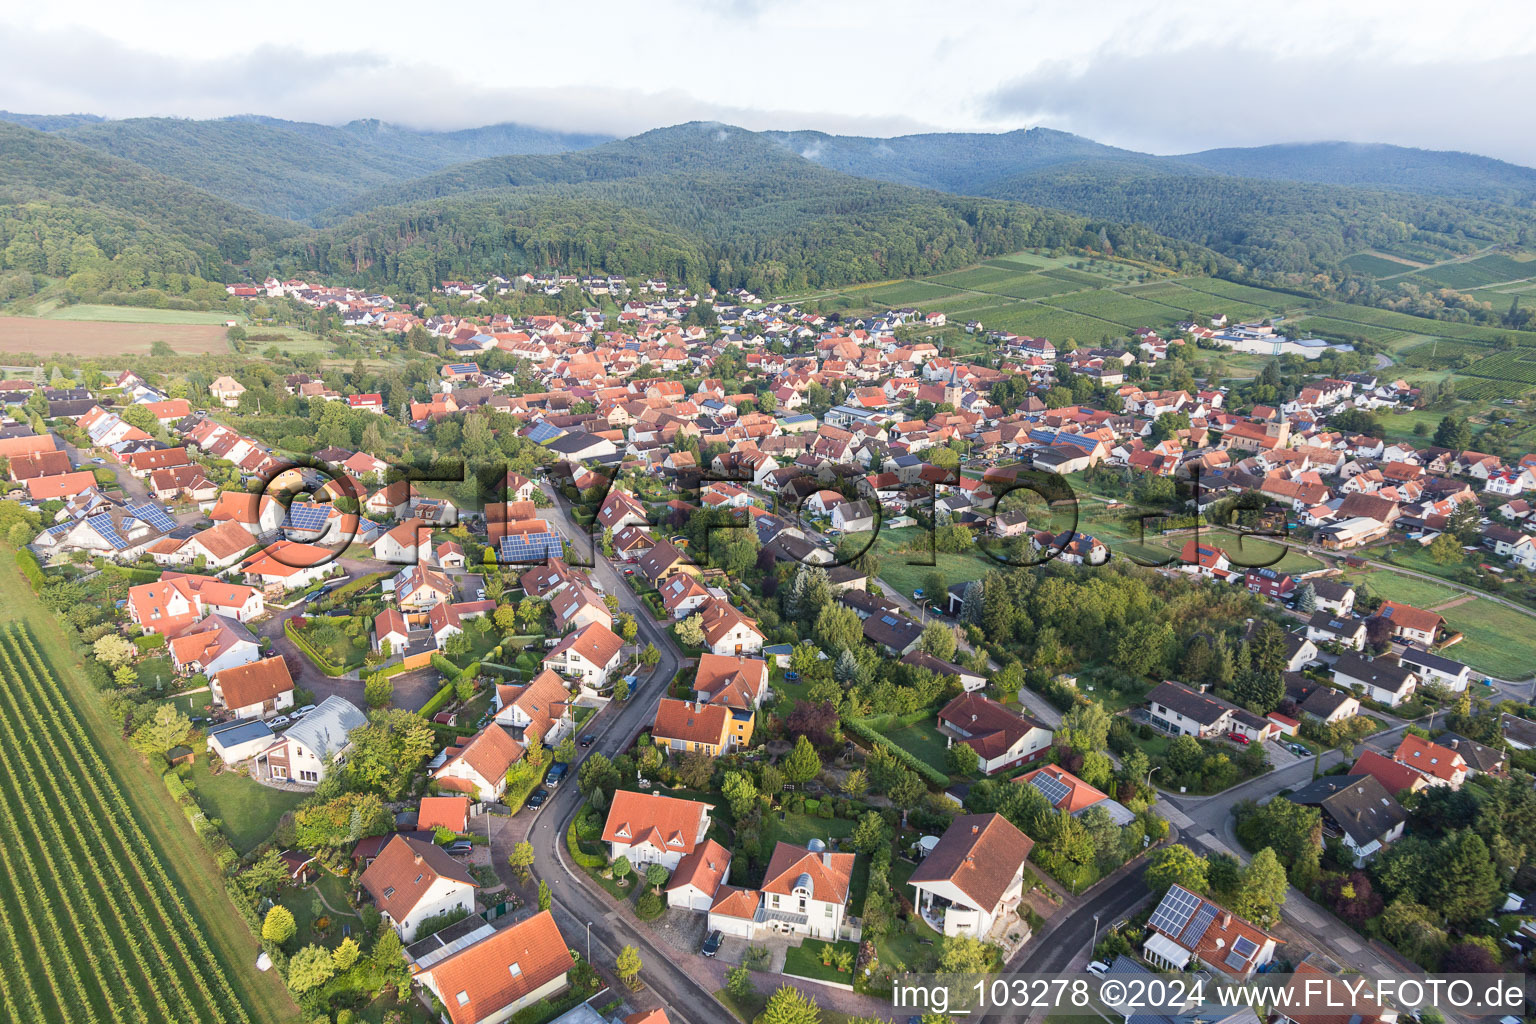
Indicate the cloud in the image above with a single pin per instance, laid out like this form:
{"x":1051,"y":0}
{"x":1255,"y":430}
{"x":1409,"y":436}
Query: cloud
{"x":1197,"y":98}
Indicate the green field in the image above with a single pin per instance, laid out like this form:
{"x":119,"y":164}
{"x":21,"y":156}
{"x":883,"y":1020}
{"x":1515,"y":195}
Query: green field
{"x":896,"y":570}
{"x":127,"y":893}
{"x":138,"y":315}
{"x":1377,"y":266}
{"x":249,"y":810}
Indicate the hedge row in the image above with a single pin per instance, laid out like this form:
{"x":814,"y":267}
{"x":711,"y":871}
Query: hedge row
{"x":321,"y":662}
{"x":439,"y":700}
{"x":585,"y":860}
{"x":868,"y":734}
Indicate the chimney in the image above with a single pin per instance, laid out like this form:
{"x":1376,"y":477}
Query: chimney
{"x":975,"y":829}
{"x":826,"y":859}
{"x":1226,"y":920}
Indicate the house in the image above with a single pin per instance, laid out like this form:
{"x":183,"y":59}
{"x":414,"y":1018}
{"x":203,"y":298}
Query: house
{"x":699,"y":876}
{"x":478,"y":765}
{"x":1440,"y":766}
{"x":579,"y":606}
{"x":1187,"y":926}
{"x":420,"y":588}
{"x":648,"y":828}
{"x":1395,"y":778}
{"x":302,"y":753}
{"x":238,"y":740}
{"x":227,"y":391}
{"x":588,"y":655}
{"x":1329,"y":706}
{"x":1519,"y":733}
{"x":213,"y":645}
{"x":287,"y":565}
{"x":1433,"y":669}
{"x":1357,"y":810}
{"x":1334,"y":596}
{"x":727,"y":630}
{"x":683,"y":726}
{"x":1481,"y":760}
{"x":1278,"y":586}
{"x":405,"y":544}
{"x":662,"y":560}
{"x":805,"y":890}
{"x":1001,"y":737}
{"x":538,"y":708}
{"x":256,"y":689}
{"x":449,"y":812}
{"x":1067,"y":792}
{"x":1384,"y":680}
{"x":732,"y":680}
{"x":1177,"y":709}
{"x":682,"y":595}
{"x":166,"y":606}
{"x":1410,"y":624}
{"x":1326,"y":626}
{"x":853,"y":517}
{"x":621,"y":509}
{"x":972,"y":881}
{"x":1206,"y":560}
{"x":969,"y":681}
{"x":893,"y":631}
{"x":498,"y":974}
{"x":410,"y":881}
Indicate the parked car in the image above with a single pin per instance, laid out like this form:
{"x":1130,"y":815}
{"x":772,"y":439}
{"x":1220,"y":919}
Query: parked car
{"x":1098,"y":967}
{"x":553,"y":641}
{"x":1238,"y":738}
{"x":537,"y":797}
{"x":629,"y":572}
{"x":301,"y":712}
{"x":712,"y":944}
{"x":588,"y":740}
{"x":460,"y":847}
{"x":279,"y":721}
{"x":556,"y":773}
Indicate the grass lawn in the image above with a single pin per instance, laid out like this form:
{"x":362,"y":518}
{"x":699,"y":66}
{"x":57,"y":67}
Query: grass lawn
{"x":1395,"y":586}
{"x":155,"y":673}
{"x":249,"y":810}
{"x":805,"y":960}
{"x":896,"y":568}
{"x":800,"y":829}
{"x":1499,"y":641}
{"x":923,"y":741}
{"x":170,"y":835}
{"x":914,"y":945}
{"x":193,"y":705}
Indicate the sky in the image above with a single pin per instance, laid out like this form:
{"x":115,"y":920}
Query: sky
{"x":1165,"y":77}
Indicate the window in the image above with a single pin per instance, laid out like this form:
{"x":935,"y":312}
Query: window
{"x":516,"y":969}
{"x":463,"y":998}
{"x":389,"y":893}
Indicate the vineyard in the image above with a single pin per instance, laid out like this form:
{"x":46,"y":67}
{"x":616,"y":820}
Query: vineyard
{"x":97,"y":927}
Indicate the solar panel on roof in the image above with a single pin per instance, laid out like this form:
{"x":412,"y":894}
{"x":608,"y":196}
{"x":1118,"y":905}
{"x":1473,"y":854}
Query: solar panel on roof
{"x":888,"y":620}
{"x":1196,"y":930}
{"x":530,"y":547}
{"x":1050,"y":787}
{"x":1236,"y":960}
{"x":305,"y":516}
{"x":1174,"y":911}
{"x":155,"y":516}
{"x":542,"y":432}
{"x":105,"y":528}
{"x":1245,"y":946}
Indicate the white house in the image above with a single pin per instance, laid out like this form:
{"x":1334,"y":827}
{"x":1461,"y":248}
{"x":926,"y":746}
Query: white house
{"x":410,"y":881}
{"x":699,"y":876}
{"x":300,"y":754}
{"x":478,"y":765}
{"x":649,"y":828}
{"x":257,"y":689}
{"x":973,"y":879}
{"x":588,"y":655}
{"x":497,"y":971}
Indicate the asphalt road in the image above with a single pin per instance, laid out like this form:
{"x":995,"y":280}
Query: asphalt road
{"x":576,"y":903}
{"x":1054,"y":950}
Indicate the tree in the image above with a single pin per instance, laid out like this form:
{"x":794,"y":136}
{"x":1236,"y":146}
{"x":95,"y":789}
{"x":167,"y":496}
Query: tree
{"x":546,"y":898}
{"x":1453,"y":433}
{"x":962,"y":954}
{"x":690,"y":631}
{"x":907,"y":790}
{"x":521,"y":859}
{"x":1171,"y":865}
{"x":621,"y":689}
{"x":112,"y":650}
{"x":1465,"y":880}
{"x":802,"y":764}
{"x":388,"y":751}
{"x":739,"y":792}
{"x":657,"y":875}
{"x":1289,"y":828}
{"x":1306,"y":598}
{"x":1446,"y":550}
{"x":279,"y":926}
{"x":789,"y":1006}
{"x":738,"y":982}
{"x":855,"y":783}
{"x":938,"y":640}
{"x":310,"y":968}
{"x":628,"y":964}
{"x":1142,"y":646}
{"x":838,"y":629}
{"x":345,"y":955}
{"x":1261,"y":892}
{"x":1085,"y":727}
{"x":696,"y":769}
{"x":621,"y":868}
{"x":379,"y":690}
{"x":165,"y":729}
{"x":961,"y":759}
{"x":971,"y":604}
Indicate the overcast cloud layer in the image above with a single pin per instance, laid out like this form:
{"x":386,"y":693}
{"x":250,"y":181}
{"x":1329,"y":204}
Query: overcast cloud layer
{"x":1168,"y":77}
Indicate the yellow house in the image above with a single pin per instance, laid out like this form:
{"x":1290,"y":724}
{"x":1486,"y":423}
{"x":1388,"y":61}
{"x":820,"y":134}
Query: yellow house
{"x":684,"y":726}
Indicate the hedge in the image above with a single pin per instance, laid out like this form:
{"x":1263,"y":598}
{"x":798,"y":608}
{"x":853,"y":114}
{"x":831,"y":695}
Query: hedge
{"x":149,"y":642}
{"x":585,"y":860}
{"x":321,"y":662}
{"x":27,"y":562}
{"x":929,"y":773}
{"x":439,"y":701}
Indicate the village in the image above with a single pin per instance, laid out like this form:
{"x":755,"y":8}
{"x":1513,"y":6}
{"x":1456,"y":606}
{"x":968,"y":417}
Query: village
{"x":792,"y":647}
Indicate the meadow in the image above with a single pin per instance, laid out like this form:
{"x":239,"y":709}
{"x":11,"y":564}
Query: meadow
{"x":46,"y":338}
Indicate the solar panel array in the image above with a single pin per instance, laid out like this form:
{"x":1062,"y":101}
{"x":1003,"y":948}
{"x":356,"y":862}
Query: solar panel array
{"x":889,"y":620}
{"x":104,"y":526}
{"x":1050,"y":787}
{"x":155,"y":516}
{"x":542,"y":432}
{"x":305,"y":516}
{"x":1174,"y":911}
{"x":526,"y":548}
{"x":1196,"y":930}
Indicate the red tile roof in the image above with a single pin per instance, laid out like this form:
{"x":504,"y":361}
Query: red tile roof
{"x":245,"y":685}
{"x":483,"y":973}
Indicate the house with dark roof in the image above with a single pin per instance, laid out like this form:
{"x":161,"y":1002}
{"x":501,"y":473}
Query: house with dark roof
{"x":1384,"y":679}
{"x":1001,"y":737}
{"x":1433,"y":668}
{"x":1357,"y":810}
{"x":972,"y":881}
{"x":1326,"y":627}
{"x":1177,"y":709}
{"x":1481,"y":759}
{"x":1329,"y":705}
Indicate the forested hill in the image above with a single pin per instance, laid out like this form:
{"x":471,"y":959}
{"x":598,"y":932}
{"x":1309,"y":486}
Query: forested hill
{"x":1272,"y":227}
{"x":64,"y":207}
{"x":294,"y":169}
{"x":1376,"y":166}
{"x":699,"y":203}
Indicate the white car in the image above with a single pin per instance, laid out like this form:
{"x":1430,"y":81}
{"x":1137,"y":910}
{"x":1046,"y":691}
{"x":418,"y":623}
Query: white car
{"x":301,"y":712}
{"x":1097,"y":967}
{"x":279,"y":721}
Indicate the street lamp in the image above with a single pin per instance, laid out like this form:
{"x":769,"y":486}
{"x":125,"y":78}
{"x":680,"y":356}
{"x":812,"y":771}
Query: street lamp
{"x":1095,"y":936}
{"x":1149,"y":775}
{"x":589,"y":942}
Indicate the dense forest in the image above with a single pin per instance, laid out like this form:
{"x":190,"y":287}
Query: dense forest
{"x":295,"y":170}
{"x":706,"y":203}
